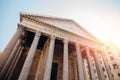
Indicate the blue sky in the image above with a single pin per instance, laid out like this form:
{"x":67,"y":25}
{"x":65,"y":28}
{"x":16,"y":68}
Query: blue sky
{"x":99,"y":17}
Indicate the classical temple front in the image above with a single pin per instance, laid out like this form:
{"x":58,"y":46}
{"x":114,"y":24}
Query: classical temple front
{"x":51,"y":48}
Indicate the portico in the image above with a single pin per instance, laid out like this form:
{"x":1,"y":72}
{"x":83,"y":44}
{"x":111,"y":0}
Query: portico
{"x":50,"y":49}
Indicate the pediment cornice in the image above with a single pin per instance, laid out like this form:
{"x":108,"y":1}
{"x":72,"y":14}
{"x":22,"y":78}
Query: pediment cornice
{"x":33,"y":18}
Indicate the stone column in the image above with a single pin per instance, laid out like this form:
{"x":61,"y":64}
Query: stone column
{"x":107,"y":66}
{"x":29,"y":59}
{"x":98,"y":66}
{"x":92,"y":74}
{"x":11,"y":57}
{"x":10,"y":46}
{"x":65,"y":61}
{"x":14,"y":63}
{"x":80,"y":64}
{"x":48,"y":66}
{"x":75,"y":69}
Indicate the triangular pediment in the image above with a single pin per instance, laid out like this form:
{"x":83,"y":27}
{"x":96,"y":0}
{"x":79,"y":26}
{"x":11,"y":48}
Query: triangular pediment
{"x":65,"y":24}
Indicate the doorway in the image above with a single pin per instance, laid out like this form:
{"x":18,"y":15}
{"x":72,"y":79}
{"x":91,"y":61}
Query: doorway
{"x":54,"y":71}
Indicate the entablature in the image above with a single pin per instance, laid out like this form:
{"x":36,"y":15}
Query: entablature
{"x":47,"y":29}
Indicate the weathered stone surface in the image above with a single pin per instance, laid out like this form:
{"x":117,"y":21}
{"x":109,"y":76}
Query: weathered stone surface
{"x":57,"y":57}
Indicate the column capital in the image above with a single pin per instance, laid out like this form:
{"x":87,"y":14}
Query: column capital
{"x":86,"y":47}
{"x":38,"y":33}
{"x":65,"y":41}
{"x":21,"y":27}
{"x":77,"y":44}
{"x":22,"y":35}
{"x":52,"y":37}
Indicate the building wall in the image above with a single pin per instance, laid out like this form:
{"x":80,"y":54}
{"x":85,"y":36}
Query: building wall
{"x":113,"y":58}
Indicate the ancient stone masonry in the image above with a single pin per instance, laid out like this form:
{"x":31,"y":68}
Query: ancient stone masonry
{"x":45,"y":48}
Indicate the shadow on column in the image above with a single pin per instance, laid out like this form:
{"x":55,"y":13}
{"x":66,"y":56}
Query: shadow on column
{"x":27,"y":43}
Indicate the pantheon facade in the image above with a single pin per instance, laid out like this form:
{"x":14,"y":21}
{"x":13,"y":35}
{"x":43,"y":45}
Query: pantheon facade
{"x":53,"y":48}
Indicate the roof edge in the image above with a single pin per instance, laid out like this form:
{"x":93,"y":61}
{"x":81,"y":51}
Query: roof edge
{"x":46,"y":16}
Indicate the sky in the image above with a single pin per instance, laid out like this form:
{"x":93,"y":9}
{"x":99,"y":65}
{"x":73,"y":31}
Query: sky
{"x":100,"y":17}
